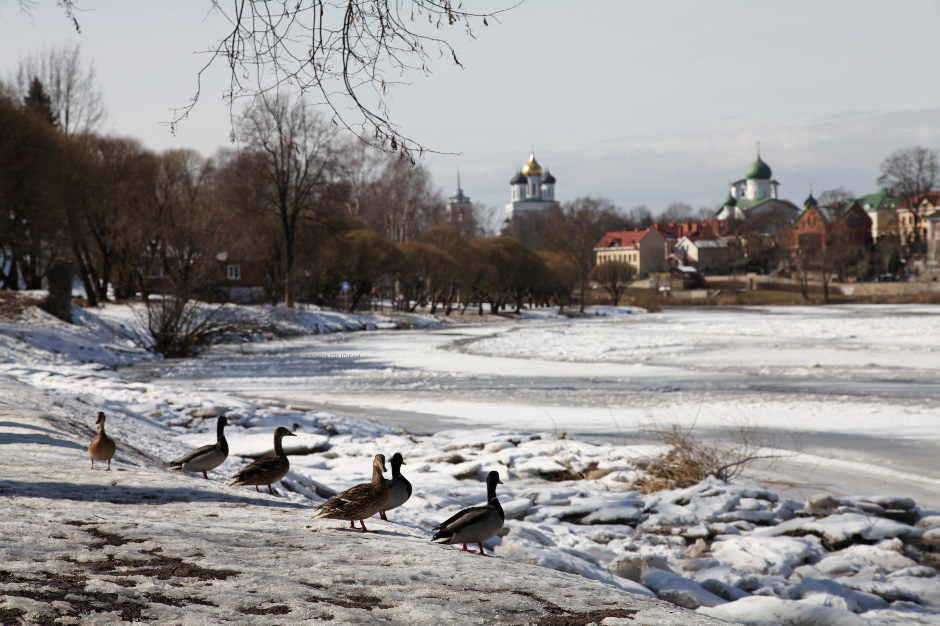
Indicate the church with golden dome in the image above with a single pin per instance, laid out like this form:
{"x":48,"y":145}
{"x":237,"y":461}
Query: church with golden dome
{"x":531,"y":189}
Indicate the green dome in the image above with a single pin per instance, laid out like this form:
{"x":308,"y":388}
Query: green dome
{"x":810,"y":201}
{"x":758,"y":170}
{"x":729,"y":200}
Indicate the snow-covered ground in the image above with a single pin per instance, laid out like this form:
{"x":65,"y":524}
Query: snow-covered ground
{"x":544,"y":396}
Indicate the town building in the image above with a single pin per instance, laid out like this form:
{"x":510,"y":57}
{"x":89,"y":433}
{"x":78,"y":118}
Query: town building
{"x":641,"y":248}
{"x":844,"y":230}
{"x":933,"y":238}
{"x":754,"y":198}
{"x":531,"y":190}
{"x":459,"y":207}
{"x":923,"y":204}
{"x":706,"y":254}
{"x":882,"y":208}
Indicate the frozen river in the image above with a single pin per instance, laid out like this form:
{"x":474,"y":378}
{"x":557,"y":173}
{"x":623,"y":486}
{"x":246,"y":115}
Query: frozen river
{"x":851,"y":392}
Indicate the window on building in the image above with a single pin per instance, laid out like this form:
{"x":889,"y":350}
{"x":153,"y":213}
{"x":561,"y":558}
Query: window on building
{"x":234,"y":272}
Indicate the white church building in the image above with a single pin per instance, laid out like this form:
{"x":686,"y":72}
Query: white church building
{"x":755,"y":195}
{"x":531,"y":189}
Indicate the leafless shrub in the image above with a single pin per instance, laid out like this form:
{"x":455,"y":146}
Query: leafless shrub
{"x":691,"y":458}
{"x":178,"y":327}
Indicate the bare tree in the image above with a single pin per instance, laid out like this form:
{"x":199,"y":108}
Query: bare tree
{"x":68,"y":7}
{"x":576,"y":228}
{"x":614,"y":277}
{"x":32,"y":196}
{"x":794,"y":260}
{"x":361,"y":167}
{"x":74,"y":96}
{"x":911,"y":172}
{"x":347,"y":54}
{"x":835,"y":197}
{"x":295,"y":152}
{"x":403,"y":201}
{"x":452,"y":276}
{"x":639,"y":217}
{"x":676,"y":212}
{"x":360,"y":257}
{"x":561,"y":276}
{"x":118,"y":192}
{"x":706,"y":212}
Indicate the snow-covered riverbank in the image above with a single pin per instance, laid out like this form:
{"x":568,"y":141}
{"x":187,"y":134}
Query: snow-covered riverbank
{"x":739,"y":552}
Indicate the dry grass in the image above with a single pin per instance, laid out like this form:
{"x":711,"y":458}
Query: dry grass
{"x":690,"y":458}
{"x":591,"y":472}
{"x":13,"y":305}
{"x":646,"y":299}
{"x":918,"y":298}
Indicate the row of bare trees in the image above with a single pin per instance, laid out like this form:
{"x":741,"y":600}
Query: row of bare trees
{"x":123,"y":215}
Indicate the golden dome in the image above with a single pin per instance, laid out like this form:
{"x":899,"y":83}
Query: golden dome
{"x":532,"y":168}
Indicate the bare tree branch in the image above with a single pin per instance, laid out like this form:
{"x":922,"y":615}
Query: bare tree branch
{"x":348,"y":53}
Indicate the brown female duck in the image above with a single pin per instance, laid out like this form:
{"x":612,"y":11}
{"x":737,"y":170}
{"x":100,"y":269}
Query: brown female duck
{"x":268,"y":470}
{"x":102,"y":447}
{"x":361,"y":501}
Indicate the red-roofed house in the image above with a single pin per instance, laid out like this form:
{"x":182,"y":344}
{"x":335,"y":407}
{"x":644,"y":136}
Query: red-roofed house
{"x":641,"y":248}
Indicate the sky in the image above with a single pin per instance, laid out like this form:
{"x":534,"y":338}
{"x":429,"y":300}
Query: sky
{"x":638,"y":102}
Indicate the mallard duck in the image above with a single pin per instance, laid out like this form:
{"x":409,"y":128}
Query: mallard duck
{"x":361,"y":501}
{"x":207,"y":457}
{"x":399,"y":489}
{"x":268,"y":470}
{"x":102,"y":447}
{"x":475,"y":524}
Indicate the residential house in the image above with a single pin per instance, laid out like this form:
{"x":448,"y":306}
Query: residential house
{"x":672,"y":232}
{"x":933,"y":237}
{"x":882,"y":209}
{"x":233,"y":280}
{"x":641,"y":248}
{"x":918,"y":207}
{"x":707,"y":254}
{"x":238,"y":280}
{"x":846,"y":228}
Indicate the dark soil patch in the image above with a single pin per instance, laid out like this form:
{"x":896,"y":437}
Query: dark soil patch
{"x":162,"y":599}
{"x":558,"y":616}
{"x":549,"y":607}
{"x":11,"y":615}
{"x":582,"y":619}
{"x":70,"y":590}
{"x":275,"y":609}
{"x":109,"y":539}
{"x":157,"y":566}
{"x":352,"y":600}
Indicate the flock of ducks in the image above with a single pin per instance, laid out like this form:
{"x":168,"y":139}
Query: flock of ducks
{"x":475,"y":524}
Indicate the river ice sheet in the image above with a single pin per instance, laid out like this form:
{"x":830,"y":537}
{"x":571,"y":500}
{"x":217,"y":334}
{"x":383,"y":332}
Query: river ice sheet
{"x":852,"y":390}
